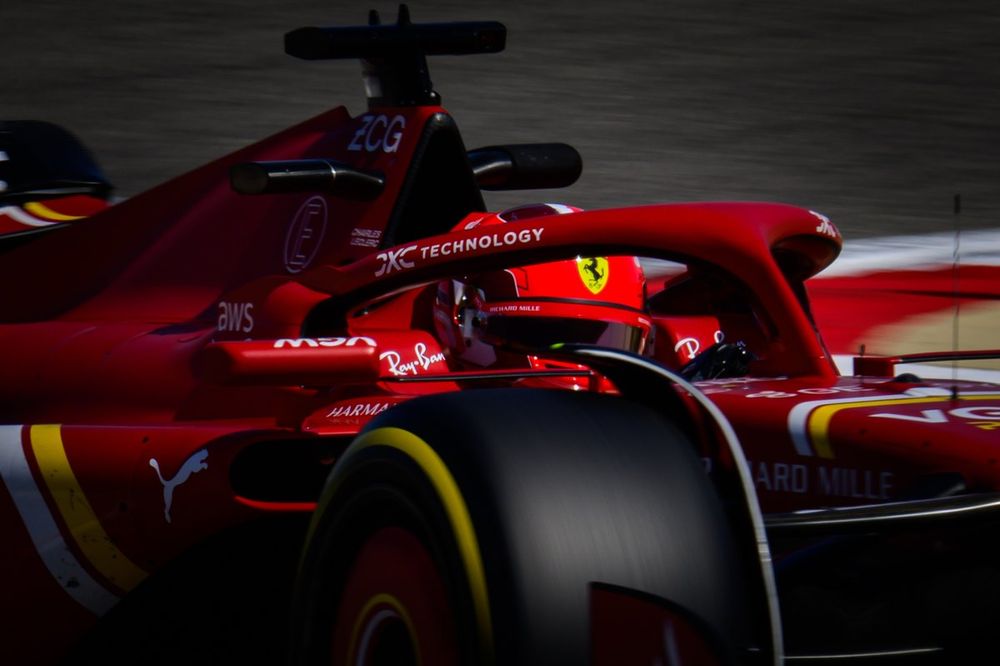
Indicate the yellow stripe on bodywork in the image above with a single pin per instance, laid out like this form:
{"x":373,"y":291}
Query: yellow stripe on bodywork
{"x":79,"y":517}
{"x":454,"y":504}
{"x":819,"y":420}
{"x":41,"y":210}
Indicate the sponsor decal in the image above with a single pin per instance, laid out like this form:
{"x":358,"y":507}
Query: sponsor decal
{"x":737,"y":382}
{"x":392,"y":261}
{"x":192,"y":465}
{"x":512,"y":307}
{"x":593,"y":272}
{"x":820,"y":390}
{"x":296,"y":343}
{"x":825,"y":226}
{"x":809,"y":422}
{"x":358,"y":409}
{"x":378,"y":133}
{"x":984,"y":418}
{"x":780,"y":477}
{"x":496,"y":239}
{"x":365,"y":237}
{"x":692,"y":346}
{"x":235,"y":317}
{"x":420,"y":362}
{"x":305,"y":234}
{"x":855,"y":483}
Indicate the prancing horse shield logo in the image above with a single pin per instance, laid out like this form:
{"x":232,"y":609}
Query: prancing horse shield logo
{"x":593,"y":272}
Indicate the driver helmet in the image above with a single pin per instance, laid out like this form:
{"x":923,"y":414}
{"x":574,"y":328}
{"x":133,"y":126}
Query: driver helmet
{"x":489,"y":319}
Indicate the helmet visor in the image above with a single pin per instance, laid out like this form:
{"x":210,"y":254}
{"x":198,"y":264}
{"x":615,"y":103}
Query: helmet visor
{"x":543,"y":332}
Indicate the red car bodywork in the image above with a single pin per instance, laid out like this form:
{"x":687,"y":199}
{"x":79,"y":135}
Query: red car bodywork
{"x":153,"y":345}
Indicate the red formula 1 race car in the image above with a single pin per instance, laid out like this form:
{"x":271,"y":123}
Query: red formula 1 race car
{"x":313,"y":402}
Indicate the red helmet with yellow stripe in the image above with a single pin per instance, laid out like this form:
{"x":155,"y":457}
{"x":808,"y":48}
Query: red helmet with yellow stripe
{"x":491,"y":318}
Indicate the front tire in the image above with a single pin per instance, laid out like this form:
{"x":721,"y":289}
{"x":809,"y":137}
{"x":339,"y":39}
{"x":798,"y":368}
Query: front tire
{"x":517,"y":508}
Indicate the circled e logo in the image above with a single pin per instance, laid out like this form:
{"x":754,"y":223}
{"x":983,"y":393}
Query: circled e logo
{"x":305,"y":234}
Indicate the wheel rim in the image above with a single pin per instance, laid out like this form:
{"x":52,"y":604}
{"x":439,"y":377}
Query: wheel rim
{"x":394,"y":609}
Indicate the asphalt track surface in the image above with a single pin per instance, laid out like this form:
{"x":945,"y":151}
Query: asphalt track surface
{"x":874,"y":112}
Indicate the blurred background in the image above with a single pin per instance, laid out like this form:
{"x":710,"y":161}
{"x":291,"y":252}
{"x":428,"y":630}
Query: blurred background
{"x":875,"y":112}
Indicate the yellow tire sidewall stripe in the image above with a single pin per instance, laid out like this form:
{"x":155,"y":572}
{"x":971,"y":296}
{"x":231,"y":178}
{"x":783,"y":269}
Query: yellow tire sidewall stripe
{"x":381,"y":599}
{"x":77,"y":514}
{"x":437,"y":472}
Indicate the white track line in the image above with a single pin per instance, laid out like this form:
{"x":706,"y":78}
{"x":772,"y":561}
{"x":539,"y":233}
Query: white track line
{"x":845,"y":363}
{"x":976,"y":248}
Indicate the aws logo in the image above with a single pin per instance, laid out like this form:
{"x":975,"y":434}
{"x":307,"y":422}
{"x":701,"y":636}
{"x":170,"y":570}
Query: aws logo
{"x":593,"y":272}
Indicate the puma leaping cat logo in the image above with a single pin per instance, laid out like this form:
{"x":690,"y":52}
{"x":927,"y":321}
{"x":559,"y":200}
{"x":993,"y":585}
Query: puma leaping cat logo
{"x":195,"y":463}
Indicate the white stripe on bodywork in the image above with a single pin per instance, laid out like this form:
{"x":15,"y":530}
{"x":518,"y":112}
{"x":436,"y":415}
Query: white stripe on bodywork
{"x":798,"y":417}
{"x":21,"y":216}
{"x":48,"y":541}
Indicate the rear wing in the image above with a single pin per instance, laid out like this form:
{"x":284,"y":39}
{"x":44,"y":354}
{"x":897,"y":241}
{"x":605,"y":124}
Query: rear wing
{"x":394,"y":63}
{"x":444,"y":181}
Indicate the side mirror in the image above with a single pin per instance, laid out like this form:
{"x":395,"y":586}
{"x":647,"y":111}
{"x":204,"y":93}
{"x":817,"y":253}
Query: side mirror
{"x":526,"y":166}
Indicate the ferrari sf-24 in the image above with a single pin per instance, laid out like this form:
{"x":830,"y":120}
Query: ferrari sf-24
{"x":313,"y":402}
